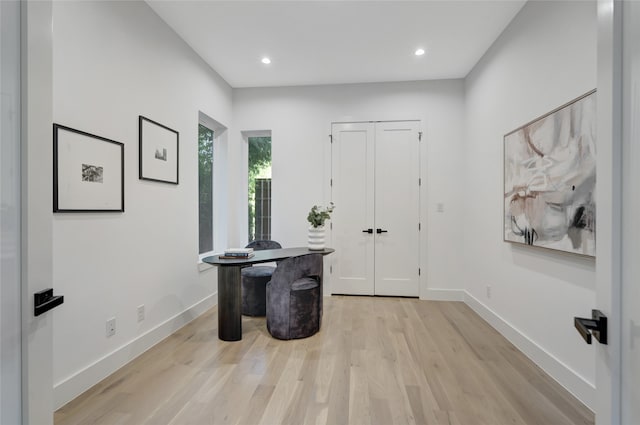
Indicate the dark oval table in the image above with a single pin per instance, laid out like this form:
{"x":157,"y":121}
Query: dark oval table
{"x":230,"y":285}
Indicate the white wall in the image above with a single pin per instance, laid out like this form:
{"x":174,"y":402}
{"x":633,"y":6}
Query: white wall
{"x":545,"y":57}
{"x":112,"y":62}
{"x":300,"y":120}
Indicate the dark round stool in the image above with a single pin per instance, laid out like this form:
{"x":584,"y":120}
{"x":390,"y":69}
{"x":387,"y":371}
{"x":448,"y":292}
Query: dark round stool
{"x":254,"y":289}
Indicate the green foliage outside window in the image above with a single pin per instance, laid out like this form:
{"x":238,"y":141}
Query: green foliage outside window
{"x":205,"y":195}
{"x":259,"y":166}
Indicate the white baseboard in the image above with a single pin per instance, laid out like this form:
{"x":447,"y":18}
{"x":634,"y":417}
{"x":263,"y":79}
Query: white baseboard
{"x":570,"y":380}
{"x":71,"y":387}
{"x":444,"y":295}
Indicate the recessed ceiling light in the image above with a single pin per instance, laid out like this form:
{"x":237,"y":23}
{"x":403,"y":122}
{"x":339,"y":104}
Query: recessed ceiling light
{"x":419,"y":52}
{"x":266,"y":61}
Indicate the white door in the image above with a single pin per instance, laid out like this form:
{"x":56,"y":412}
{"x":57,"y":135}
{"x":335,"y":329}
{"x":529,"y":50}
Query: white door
{"x":352,"y":167}
{"x":375,"y":170}
{"x":396,"y":208}
{"x":630,"y":308}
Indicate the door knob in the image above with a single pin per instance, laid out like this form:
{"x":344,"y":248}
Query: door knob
{"x":370,"y":231}
{"x":381,"y":231}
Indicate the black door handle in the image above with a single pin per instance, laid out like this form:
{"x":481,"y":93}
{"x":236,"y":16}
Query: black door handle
{"x":596,"y":326}
{"x":381,"y":231}
{"x":45,"y":301}
{"x":369,"y":231}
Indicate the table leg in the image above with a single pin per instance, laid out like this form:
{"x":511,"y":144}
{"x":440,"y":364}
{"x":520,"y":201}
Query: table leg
{"x":229,"y":303}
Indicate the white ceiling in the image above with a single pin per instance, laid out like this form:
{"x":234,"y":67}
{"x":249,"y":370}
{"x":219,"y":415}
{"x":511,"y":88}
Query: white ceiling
{"x":332,"y":42}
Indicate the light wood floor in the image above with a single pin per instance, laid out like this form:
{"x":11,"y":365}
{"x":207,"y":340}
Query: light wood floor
{"x":375,"y":361}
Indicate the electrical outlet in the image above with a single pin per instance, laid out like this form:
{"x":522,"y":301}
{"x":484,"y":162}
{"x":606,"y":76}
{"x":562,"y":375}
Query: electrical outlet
{"x":140,"y":312}
{"x":111,"y":327}
{"x":488,"y":291}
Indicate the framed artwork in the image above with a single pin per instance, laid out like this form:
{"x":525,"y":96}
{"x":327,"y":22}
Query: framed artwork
{"x":549,"y":179}
{"x":158,"y":152}
{"x":88,"y":172}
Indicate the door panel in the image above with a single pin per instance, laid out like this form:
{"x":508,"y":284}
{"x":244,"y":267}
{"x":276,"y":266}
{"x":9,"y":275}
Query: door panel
{"x":396,"y":208}
{"x":352,"y":173}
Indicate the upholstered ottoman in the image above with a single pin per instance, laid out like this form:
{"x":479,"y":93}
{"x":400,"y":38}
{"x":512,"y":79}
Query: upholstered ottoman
{"x":254,"y":289}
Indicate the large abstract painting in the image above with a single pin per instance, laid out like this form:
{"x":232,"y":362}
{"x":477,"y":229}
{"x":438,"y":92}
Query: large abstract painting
{"x":549,"y":179}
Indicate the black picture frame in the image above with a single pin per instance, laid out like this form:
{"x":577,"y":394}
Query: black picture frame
{"x":88,"y":172}
{"x":159,"y":152}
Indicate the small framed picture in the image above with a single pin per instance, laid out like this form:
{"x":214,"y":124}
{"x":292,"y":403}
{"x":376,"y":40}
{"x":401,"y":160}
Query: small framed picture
{"x":88,"y":172}
{"x":158,"y":152}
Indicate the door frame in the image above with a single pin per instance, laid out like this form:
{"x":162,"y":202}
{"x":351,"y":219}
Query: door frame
{"x":10,"y":292}
{"x":423,"y":262}
{"x":609,"y":200}
{"x":629,"y":359}
{"x":37,"y":221}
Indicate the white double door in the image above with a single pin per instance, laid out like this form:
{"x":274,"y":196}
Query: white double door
{"x":375,"y":186}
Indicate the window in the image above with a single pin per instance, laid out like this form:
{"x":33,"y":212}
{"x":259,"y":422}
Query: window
{"x":259,"y":188}
{"x":205,"y":188}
